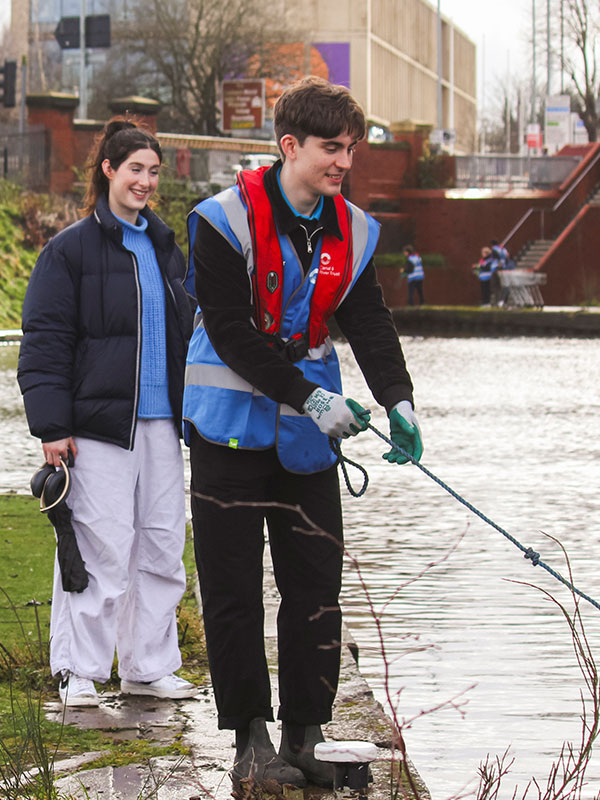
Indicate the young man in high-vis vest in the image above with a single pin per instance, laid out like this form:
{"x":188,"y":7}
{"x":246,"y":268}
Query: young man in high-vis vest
{"x":271,"y":260}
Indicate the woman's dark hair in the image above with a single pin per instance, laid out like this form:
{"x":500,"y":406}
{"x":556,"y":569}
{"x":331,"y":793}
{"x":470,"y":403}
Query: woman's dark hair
{"x":121,"y":137}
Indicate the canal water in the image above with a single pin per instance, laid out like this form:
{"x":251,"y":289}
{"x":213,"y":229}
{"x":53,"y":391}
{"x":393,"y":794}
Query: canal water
{"x":477,"y":660}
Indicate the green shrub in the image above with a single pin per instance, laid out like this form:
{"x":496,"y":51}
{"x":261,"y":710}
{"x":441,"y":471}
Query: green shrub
{"x":175,"y":202}
{"x":398,"y":260}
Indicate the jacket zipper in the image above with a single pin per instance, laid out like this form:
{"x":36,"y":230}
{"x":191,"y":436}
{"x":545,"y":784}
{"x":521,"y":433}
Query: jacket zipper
{"x":309,"y":237}
{"x":139,"y":348}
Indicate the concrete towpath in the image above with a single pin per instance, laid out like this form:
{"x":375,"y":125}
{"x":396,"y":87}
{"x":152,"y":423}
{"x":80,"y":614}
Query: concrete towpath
{"x":204,"y":772}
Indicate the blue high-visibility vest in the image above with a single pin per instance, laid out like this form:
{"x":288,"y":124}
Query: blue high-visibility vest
{"x":418,"y":272}
{"x":225,"y":408}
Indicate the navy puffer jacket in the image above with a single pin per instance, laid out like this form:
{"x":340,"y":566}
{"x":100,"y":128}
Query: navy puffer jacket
{"x":79,"y":360}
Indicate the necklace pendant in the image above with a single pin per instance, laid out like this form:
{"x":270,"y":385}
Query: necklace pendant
{"x":308,"y":246}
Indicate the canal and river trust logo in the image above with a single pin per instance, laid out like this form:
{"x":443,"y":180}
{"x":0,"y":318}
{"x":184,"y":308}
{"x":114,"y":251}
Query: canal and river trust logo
{"x":327,"y":267}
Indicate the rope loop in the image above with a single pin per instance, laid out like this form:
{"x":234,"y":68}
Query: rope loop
{"x":336,"y":446}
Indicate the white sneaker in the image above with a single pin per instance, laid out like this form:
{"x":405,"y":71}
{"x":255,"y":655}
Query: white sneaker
{"x":170,"y":686}
{"x":76,"y":691}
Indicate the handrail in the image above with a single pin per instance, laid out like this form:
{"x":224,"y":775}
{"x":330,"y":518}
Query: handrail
{"x":558,"y":203}
{"x":519,"y":223}
{"x":576,"y":183}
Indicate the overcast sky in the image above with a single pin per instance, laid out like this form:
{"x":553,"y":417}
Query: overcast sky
{"x":500,"y":30}
{"x":4,"y":12}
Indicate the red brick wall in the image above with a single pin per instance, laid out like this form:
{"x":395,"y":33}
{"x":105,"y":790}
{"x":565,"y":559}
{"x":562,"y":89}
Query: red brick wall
{"x":59,"y":123}
{"x":455,"y":228}
{"x":70,"y":142}
{"x":377,"y":174}
{"x":573,"y":264}
{"x":83,"y":141}
{"x":443,"y":286}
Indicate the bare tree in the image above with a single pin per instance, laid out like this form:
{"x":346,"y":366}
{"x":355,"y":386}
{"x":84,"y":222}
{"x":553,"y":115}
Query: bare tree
{"x":580,"y":60}
{"x":183,"y":49}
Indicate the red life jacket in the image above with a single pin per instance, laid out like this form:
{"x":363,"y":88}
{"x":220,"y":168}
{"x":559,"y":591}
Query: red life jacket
{"x":335,"y":268}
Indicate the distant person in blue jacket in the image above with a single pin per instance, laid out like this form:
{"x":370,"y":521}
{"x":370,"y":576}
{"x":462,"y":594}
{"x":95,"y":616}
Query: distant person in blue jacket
{"x":106,"y":322}
{"x":415,"y":275}
{"x":499,"y":253}
{"x":503,"y":262}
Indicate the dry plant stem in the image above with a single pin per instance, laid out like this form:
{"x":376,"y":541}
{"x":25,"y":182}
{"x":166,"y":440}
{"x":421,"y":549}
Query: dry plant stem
{"x":492,"y":774}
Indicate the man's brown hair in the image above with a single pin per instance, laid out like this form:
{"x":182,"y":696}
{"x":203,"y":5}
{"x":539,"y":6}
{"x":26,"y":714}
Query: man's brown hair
{"x":314,"y":107}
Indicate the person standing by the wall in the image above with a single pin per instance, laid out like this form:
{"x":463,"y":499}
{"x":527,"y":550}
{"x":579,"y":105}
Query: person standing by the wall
{"x":415,"y":275}
{"x":484,"y":269}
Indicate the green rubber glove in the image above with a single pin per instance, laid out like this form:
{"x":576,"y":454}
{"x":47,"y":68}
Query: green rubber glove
{"x":405,"y":432}
{"x":361,"y":415}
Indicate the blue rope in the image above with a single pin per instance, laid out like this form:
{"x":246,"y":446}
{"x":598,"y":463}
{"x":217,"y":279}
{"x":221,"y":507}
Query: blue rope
{"x":529,"y":552}
{"x":342,"y":460}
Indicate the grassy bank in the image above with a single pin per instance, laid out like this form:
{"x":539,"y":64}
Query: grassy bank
{"x":29,"y":219}
{"x":17,"y":256}
{"x":25,"y":680}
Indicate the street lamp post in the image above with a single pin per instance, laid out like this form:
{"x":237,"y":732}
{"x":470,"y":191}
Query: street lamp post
{"x":533,"y":76}
{"x":440,"y":109}
{"x":562,"y":47}
{"x":548,"y":51}
{"x":82,"y":66}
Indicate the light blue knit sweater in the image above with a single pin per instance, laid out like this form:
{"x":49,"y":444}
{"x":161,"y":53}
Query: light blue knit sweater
{"x":154,"y":387}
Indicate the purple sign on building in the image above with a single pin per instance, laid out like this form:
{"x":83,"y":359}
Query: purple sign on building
{"x":337,"y":57}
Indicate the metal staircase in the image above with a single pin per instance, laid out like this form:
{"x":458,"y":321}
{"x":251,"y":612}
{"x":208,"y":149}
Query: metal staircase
{"x":532,"y":253}
{"x":537,"y":230}
{"x":594,"y":199}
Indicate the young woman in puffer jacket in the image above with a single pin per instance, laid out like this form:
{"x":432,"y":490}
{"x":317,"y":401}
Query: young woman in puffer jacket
{"x":106,"y":322}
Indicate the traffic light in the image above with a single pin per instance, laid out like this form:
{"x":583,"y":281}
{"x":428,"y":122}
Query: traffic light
{"x":8,"y":83}
{"x":97,"y":32}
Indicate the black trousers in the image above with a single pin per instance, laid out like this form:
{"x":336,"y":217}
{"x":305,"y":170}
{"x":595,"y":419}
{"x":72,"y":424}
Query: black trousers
{"x":229,"y":543}
{"x":486,"y":292}
{"x":415,"y":288}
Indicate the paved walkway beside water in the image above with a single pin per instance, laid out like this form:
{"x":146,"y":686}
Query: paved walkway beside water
{"x":204,"y":773}
{"x":495,"y":321}
{"x":478,"y":321}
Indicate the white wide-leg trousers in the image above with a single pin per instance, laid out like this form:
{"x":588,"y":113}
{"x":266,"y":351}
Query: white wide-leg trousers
{"x":129,"y":519}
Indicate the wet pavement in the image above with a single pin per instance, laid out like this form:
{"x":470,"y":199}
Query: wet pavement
{"x":204,"y":772}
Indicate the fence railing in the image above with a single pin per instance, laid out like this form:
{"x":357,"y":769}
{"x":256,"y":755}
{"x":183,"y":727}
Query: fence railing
{"x":506,"y":171}
{"x":25,"y":156}
{"x":210,"y":163}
